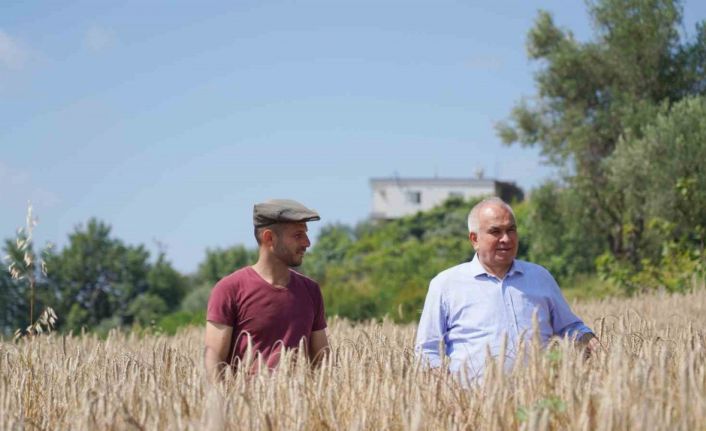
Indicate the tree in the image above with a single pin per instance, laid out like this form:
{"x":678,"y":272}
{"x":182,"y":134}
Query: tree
{"x":147,"y":308}
{"x":197,"y":299}
{"x":27,"y":272}
{"x":13,"y":300}
{"x":559,"y":233}
{"x":166,"y":288}
{"x":660,"y":173}
{"x":97,"y":276}
{"x":330,"y":249}
{"x":166,"y":283}
{"x":385,"y":268}
{"x":221,"y":262}
{"x":589,"y":94}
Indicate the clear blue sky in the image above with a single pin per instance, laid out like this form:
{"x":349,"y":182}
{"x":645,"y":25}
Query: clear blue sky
{"x":168,"y":120}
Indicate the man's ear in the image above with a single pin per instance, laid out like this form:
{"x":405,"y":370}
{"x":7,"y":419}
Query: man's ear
{"x":473,"y":237}
{"x":267,"y":236}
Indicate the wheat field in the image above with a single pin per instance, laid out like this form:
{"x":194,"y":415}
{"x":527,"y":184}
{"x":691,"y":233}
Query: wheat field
{"x":650,"y":375}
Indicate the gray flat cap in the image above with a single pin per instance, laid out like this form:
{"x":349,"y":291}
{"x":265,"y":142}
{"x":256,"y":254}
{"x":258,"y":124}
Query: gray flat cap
{"x":281,"y":211}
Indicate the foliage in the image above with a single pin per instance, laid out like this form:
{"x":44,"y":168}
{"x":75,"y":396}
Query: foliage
{"x":621,"y":115}
{"x":147,"y":308}
{"x":560,"y":233}
{"x":600,"y":105}
{"x":661,"y":171}
{"x":386,"y":268}
{"x":665,"y":195}
{"x":166,"y":283}
{"x":103,"y":283}
{"x":170,"y":323}
{"x":97,"y":276}
{"x":197,"y":299}
{"x":100,"y":283}
{"x":677,"y":268}
{"x":330,"y":248}
{"x":220,"y":262}
{"x":13,"y":297}
{"x":27,"y":272}
{"x":581,"y":287}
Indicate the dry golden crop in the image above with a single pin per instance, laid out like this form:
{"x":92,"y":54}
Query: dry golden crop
{"x":651,"y":375}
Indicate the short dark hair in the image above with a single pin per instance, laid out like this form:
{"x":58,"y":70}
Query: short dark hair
{"x":275,"y":227}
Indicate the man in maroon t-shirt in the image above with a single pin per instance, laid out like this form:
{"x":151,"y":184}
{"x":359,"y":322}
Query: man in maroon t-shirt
{"x":259,"y":309}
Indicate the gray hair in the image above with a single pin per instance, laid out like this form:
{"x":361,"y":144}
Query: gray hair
{"x":473,"y":216}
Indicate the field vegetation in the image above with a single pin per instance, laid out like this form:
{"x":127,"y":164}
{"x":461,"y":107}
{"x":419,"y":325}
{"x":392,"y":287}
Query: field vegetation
{"x":650,"y":375}
{"x":623,"y":229}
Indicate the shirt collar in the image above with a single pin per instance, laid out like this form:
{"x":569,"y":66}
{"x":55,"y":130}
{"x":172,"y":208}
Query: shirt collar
{"x":477,"y":269}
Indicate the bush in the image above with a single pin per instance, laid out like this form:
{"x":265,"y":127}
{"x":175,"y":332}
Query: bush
{"x":679,"y":268}
{"x":197,"y":299}
{"x":384,"y":268}
{"x":172,"y":322}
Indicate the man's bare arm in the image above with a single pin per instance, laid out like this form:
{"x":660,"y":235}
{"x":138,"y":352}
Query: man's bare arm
{"x":217,"y":343}
{"x":318,"y":346}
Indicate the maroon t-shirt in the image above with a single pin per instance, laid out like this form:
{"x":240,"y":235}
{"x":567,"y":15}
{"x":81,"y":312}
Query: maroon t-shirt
{"x":273,"y":317}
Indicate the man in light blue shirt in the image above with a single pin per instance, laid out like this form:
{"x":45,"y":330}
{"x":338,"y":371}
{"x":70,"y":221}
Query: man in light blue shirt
{"x":470,"y":308}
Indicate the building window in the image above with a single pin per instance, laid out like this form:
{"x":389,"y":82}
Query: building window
{"x":414,"y":197}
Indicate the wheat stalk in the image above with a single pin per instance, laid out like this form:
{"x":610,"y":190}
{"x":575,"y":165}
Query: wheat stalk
{"x":651,"y":376}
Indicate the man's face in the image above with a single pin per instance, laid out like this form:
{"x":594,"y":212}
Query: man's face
{"x":496,"y":240}
{"x":290,"y":242}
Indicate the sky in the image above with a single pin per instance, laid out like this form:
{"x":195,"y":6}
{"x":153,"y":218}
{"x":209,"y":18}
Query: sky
{"x":169,"y":120}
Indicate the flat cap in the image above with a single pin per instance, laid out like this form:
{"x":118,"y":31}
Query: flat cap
{"x":281,"y":211}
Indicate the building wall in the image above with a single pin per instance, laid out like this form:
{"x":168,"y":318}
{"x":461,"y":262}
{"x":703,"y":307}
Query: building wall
{"x":393,"y":200}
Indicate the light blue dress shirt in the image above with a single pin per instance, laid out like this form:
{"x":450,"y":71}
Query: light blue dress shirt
{"x":469,"y":311}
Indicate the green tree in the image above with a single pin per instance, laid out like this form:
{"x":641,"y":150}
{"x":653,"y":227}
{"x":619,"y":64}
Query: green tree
{"x":591,"y":93}
{"x":166,"y":283}
{"x":165,"y":289}
{"x":660,"y":173}
{"x":220,"y":262}
{"x":331,"y":247}
{"x":147,"y":309}
{"x":26,"y":289}
{"x":384,"y":267}
{"x":97,"y":276}
{"x":662,"y":170}
{"x":13,"y":300}
{"x":197,"y":299}
{"x":560,"y":234}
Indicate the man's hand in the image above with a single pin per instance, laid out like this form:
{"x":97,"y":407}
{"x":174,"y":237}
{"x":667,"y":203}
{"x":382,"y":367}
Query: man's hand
{"x":589,"y":343}
{"x":217,"y":343}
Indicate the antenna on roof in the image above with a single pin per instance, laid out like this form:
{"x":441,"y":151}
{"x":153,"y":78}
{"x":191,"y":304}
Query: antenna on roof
{"x":479,"y":173}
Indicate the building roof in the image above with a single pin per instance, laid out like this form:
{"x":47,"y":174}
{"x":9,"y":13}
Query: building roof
{"x":433,"y":181}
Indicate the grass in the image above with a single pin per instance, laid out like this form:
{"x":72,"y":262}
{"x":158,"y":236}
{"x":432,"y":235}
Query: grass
{"x":651,"y":375}
{"x":585,"y":287}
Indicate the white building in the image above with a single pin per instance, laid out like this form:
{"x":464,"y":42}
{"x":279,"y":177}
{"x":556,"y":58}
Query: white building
{"x":398,"y":197}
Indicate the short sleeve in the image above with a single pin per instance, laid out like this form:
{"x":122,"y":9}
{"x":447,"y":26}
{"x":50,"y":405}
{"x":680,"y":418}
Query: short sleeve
{"x":319,"y":313}
{"x":221,"y":304}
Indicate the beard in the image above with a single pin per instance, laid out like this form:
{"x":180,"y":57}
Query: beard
{"x":292,"y":258}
